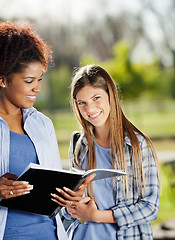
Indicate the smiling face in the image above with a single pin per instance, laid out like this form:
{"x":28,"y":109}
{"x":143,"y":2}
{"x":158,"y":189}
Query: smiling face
{"x":22,"y":89}
{"x":93,"y":104}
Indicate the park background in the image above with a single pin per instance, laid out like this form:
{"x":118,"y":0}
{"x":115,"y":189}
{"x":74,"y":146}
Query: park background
{"x":134,"y":40}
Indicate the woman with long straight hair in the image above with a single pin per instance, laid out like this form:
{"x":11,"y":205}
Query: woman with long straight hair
{"x":122,"y":207}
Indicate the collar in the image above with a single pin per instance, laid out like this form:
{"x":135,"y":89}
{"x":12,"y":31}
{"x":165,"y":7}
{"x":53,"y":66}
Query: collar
{"x":28,"y":112}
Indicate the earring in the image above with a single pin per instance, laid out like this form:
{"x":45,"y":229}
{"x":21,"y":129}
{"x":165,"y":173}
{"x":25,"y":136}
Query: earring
{"x":3,"y":85}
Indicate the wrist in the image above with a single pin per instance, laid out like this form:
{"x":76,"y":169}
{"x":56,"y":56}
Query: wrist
{"x":97,"y":216}
{"x":103,"y":216}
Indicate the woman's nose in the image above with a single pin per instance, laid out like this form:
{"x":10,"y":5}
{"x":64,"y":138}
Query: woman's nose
{"x":37,"y":88}
{"x":89,"y":107}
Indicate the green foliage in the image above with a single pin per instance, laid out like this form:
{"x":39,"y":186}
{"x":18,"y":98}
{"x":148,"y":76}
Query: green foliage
{"x":167,"y":204}
{"x":123,"y":71}
{"x":172,"y":83}
{"x":59,"y":85}
{"x":136,"y":80}
{"x":88,"y":59}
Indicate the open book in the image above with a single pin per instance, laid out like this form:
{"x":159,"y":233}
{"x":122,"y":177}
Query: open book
{"x":45,"y":182}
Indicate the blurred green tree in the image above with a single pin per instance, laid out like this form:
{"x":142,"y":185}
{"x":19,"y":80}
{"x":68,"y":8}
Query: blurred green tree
{"x":136,"y":80}
{"x":59,"y":81}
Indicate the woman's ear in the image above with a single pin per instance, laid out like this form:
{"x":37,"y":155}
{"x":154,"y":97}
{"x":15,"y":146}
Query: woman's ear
{"x":2,"y":82}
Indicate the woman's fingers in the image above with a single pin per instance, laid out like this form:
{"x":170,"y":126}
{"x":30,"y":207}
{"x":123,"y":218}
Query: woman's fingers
{"x":4,"y":180}
{"x":69,"y":194}
{"x":88,"y":179}
{"x":80,"y":191}
{"x":62,"y":202}
{"x":72,"y":202}
{"x":71,"y":198}
{"x":14,"y":191}
{"x":85,"y":200}
{"x":10,"y":176}
{"x":11,"y":188}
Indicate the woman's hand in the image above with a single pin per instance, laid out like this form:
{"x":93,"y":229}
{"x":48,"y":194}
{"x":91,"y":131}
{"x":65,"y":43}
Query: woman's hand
{"x":71,"y":198}
{"x":85,"y":210}
{"x":10,"y":188}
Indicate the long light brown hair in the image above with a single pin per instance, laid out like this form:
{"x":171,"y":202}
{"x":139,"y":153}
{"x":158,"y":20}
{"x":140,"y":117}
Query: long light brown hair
{"x":120,"y":126}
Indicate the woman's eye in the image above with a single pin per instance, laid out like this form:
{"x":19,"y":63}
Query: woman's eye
{"x":81,"y":103}
{"x":31,"y":81}
{"x":96,"y":98}
{"x":28,"y":81}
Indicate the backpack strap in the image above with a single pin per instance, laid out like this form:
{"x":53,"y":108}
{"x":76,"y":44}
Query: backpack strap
{"x":75,"y":139}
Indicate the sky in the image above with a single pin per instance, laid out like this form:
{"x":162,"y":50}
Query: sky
{"x":73,"y":10}
{"x":77,"y":11}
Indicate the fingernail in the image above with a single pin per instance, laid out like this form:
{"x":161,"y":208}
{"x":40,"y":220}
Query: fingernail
{"x":58,"y":189}
{"x":27,"y":192}
{"x":30,"y":187}
{"x":25,"y":183}
{"x":65,"y":188}
{"x":53,"y":199}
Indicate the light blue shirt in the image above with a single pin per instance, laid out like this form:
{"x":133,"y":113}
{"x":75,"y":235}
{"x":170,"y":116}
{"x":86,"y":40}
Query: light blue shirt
{"x":133,"y":214}
{"x":41,"y":131}
{"x":104,"y":196}
{"x":22,"y":225}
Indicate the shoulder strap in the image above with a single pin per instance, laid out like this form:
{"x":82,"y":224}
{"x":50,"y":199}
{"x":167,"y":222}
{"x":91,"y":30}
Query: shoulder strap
{"x":75,"y":139}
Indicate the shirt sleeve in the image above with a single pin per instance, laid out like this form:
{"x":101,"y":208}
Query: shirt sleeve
{"x":55,"y":159}
{"x":145,"y":208}
{"x":54,"y":148}
{"x":63,"y":213}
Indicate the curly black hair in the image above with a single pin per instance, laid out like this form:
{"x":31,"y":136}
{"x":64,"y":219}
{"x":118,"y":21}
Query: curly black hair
{"x":20,"y":45}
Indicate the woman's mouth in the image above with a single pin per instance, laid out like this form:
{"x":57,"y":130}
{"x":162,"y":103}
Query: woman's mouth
{"x":94,"y":115}
{"x":31,"y":98}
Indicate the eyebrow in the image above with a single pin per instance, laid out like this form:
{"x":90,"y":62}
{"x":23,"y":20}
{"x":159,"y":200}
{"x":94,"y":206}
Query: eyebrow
{"x":32,"y":77}
{"x":90,"y":97}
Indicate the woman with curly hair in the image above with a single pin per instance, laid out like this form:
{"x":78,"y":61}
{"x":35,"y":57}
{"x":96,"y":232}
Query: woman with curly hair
{"x":120,"y":208}
{"x":26,"y":135}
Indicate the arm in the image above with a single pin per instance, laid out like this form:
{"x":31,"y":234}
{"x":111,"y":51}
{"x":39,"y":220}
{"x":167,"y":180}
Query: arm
{"x":143,"y":209}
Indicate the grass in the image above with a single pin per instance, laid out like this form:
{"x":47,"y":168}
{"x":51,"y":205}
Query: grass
{"x":167,"y":203}
{"x":154,"y":120}
{"x":157,"y":122}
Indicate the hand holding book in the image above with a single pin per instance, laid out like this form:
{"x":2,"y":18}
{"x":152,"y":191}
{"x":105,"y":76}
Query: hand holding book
{"x":10,"y":188}
{"x":71,"y":198}
{"x":45,"y":182}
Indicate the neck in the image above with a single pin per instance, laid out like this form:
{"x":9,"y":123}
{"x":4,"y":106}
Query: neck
{"x":8,"y":109}
{"x":102,"y":137}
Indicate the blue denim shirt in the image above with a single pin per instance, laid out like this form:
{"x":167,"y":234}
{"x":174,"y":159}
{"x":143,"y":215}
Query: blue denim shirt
{"x":133,"y":214}
{"x":41,"y":131}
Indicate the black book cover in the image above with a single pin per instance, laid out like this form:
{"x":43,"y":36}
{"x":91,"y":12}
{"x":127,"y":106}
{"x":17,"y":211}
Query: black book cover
{"x":45,"y":182}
